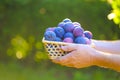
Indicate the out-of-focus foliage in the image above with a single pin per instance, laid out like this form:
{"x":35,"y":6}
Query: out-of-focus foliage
{"x":16,"y":71}
{"x":115,"y":13}
{"x":23,"y":23}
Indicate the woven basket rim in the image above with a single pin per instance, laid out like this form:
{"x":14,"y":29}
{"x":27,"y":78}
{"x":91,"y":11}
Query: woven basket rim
{"x":55,"y":42}
{"x":63,"y":43}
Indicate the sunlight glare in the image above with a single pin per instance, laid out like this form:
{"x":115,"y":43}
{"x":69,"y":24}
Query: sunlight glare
{"x":19,"y":55}
{"x":111,"y":16}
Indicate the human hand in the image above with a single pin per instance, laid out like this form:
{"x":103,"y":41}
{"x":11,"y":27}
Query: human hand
{"x":79,"y":56}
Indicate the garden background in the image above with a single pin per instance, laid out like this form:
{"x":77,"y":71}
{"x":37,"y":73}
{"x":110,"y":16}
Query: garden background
{"x":22,"y":25}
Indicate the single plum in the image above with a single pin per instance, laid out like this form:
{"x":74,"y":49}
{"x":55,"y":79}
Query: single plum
{"x":88,"y":41}
{"x":59,"y":32}
{"x":80,"y":40}
{"x":69,"y":34}
{"x":78,"y":31}
{"x":67,"y":20}
{"x":68,"y":27}
{"x":68,"y":40}
{"x":61,"y":24}
{"x":49,"y":35}
{"x":58,"y":39}
{"x":76,"y":24}
{"x":50,"y":29}
{"x":88,"y":34}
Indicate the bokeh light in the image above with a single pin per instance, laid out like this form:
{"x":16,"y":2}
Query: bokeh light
{"x":20,"y":47}
{"x":111,"y":16}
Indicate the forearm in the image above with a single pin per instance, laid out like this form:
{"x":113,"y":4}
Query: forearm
{"x":107,"y":60}
{"x":107,"y":46}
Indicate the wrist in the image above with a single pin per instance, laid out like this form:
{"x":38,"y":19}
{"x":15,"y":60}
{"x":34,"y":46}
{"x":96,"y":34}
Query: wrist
{"x":100,"y":59}
{"x":96,"y":57}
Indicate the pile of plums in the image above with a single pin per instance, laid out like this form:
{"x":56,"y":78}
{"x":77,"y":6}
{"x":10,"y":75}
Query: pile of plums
{"x":69,"y":32}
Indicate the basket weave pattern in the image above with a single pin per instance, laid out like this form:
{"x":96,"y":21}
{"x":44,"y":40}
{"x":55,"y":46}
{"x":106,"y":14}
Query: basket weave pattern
{"x":54,"y":48}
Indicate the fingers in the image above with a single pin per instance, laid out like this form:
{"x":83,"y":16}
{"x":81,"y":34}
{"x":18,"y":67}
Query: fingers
{"x":62,"y":59}
{"x":69,"y":47}
{"x":65,"y":60}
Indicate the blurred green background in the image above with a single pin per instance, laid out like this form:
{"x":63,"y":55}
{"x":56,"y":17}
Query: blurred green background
{"x":22,"y":25}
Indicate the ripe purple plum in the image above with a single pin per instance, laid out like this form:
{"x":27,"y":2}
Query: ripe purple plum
{"x":67,"y":20}
{"x":59,"y":32}
{"x":88,"y":34}
{"x":68,"y":40}
{"x":61,"y":24}
{"x":78,"y":31}
{"x":76,"y":24}
{"x":88,"y":41}
{"x":50,"y":35}
{"x":68,"y":27}
{"x":50,"y":29}
{"x":80,"y":40}
{"x":58,"y":39}
{"x":69,"y":34}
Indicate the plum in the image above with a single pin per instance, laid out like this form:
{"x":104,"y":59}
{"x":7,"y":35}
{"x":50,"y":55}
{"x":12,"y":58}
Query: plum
{"x":50,"y":29}
{"x":76,"y":24}
{"x":68,"y":27}
{"x":50,"y":35}
{"x":61,"y":24}
{"x":68,"y":40}
{"x":78,"y":31}
{"x":88,"y":41}
{"x":58,"y":39}
{"x":67,"y":20}
{"x":80,"y":40}
{"x":59,"y":32}
{"x":69,"y":34}
{"x":88,"y":34}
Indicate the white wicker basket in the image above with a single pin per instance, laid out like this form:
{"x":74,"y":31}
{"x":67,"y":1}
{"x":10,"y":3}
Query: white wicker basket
{"x":54,"y":48}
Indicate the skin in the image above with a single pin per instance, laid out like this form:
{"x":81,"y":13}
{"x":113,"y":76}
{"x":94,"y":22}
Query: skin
{"x":112,"y":47}
{"x":103,"y":54}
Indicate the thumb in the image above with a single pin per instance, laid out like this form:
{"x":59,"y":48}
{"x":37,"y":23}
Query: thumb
{"x":69,"y":47}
